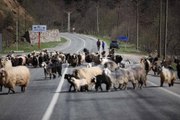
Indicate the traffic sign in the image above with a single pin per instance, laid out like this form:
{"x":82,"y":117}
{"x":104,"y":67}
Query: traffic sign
{"x":39,"y":28}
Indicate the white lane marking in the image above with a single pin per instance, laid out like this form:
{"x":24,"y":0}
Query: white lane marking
{"x":55,"y":97}
{"x":168,"y":91}
{"x":53,"y":102}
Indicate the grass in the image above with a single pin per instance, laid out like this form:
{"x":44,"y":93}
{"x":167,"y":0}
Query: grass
{"x":26,"y":47}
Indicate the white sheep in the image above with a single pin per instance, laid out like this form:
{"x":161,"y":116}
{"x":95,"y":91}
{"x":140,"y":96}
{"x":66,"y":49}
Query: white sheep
{"x":6,"y":63}
{"x":87,"y":73}
{"x":14,"y":76}
{"x":167,"y":76}
{"x":79,"y":83}
{"x":121,"y":77}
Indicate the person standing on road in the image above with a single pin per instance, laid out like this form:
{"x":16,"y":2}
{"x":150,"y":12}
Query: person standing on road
{"x":98,"y":43}
{"x":103,"y":45}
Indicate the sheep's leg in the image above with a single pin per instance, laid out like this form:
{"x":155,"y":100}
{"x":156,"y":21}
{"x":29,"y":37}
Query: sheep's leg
{"x":70,"y":88}
{"x":134,"y":85}
{"x":96,"y":87}
{"x":54,"y":75}
{"x":107,"y":87}
{"x":120,"y":86}
{"x":162,"y":83}
{"x":22,"y":88}
{"x":172,"y":82}
{"x":100,"y":87}
{"x":125,"y":86}
{"x":0,"y":88}
{"x":11,"y":89}
{"x":50,"y":75}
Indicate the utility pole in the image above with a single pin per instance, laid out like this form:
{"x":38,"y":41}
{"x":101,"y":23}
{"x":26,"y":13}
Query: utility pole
{"x":97,"y":20}
{"x":137,"y":25}
{"x":69,"y":21}
{"x":17,"y":29}
{"x":166,"y":29}
{"x":160,"y":28}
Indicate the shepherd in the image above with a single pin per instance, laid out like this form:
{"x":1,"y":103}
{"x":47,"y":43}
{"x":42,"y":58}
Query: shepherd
{"x":98,"y":44}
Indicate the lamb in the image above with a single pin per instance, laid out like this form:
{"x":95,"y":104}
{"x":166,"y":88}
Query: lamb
{"x":68,"y":78}
{"x":87,"y":73}
{"x":15,"y":76}
{"x":79,"y":83}
{"x":167,"y":76}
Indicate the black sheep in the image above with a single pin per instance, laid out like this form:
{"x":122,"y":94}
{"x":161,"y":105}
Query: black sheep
{"x":68,"y":78}
{"x":102,"y":79}
{"x":178,"y":69}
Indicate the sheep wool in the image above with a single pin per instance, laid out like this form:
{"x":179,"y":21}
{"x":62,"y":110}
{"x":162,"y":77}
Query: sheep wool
{"x":79,"y":83}
{"x":167,"y":76}
{"x":87,"y":73}
{"x":16,"y":76}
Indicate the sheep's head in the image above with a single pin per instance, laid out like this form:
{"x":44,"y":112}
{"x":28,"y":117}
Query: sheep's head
{"x":2,"y":74}
{"x":67,"y":76}
{"x":6,"y":62}
{"x":93,"y":80}
{"x":43,"y":64}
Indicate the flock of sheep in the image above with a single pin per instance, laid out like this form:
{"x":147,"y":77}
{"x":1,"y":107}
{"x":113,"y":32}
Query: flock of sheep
{"x":101,"y":68}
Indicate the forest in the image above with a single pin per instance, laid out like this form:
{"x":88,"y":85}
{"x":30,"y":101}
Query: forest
{"x":150,"y":24}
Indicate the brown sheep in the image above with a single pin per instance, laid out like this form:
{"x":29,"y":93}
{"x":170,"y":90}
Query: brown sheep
{"x":167,"y":76}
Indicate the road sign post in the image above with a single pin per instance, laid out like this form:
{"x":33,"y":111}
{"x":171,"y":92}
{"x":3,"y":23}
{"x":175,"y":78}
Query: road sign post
{"x":39,"y":37}
{"x":39,"y":29}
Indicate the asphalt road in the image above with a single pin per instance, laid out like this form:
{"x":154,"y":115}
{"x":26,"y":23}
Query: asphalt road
{"x":50,"y":99}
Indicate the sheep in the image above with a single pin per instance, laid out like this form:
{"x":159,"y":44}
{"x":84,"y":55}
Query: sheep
{"x":79,"y":83}
{"x":87,"y":73}
{"x":100,"y":79}
{"x":139,"y":73}
{"x":81,"y":58}
{"x":178,"y":69}
{"x":167,"y":76}
{"x":109,"y":64}
{"x":15,"y":76}
{"x":68,"y":78}
{"x":146,"y":63}
{"x":73,"y":61}
{"x":118,"y":59}
{"x":155,"y":67}
{"x":1,"y":78}
{"x":120,"y":78}
{"x":47,"y":70}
